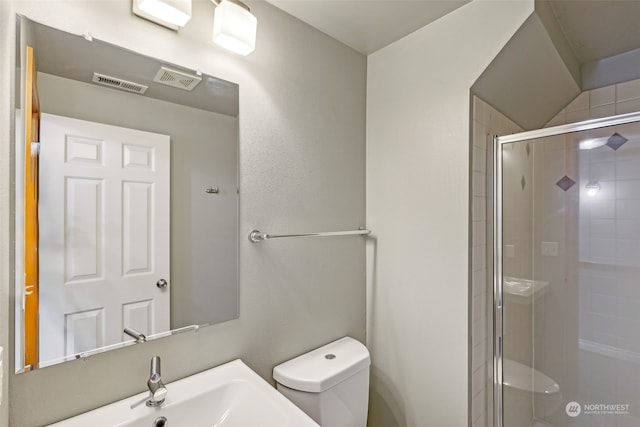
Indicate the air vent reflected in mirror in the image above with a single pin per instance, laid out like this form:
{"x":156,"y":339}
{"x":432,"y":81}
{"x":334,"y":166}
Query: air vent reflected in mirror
{"x":117,"y":83}
{"x":175,"y":78}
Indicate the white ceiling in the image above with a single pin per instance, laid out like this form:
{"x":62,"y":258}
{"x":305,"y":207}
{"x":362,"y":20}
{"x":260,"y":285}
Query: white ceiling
{"x":368,"y":25}
{"x":595,"y":29}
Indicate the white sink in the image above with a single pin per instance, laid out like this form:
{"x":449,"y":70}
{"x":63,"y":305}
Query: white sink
{"x":523,"y":290}
{"x":230,"y":395}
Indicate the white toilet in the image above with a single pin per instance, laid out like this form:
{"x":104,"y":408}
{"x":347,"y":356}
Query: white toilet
{"x":330,"y":384}
{"x":524,"y":385}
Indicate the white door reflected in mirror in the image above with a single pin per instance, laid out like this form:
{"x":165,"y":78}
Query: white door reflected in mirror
{"x":104,"y":228}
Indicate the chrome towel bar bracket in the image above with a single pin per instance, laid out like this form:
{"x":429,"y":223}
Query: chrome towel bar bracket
{"x":256,"y":236}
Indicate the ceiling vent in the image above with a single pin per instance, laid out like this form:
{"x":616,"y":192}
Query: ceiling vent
{"x":178,"y":79}
{"x":117,"y":83}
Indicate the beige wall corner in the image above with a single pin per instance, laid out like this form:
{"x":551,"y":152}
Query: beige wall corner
{"x":418,"y":150}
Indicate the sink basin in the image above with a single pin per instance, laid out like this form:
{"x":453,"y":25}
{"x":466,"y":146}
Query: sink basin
{"x":230,"y":395}
{"x":523,"y":290}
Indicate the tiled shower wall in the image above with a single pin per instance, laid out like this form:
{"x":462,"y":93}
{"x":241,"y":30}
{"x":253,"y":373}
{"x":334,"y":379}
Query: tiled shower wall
{"x":587,"y":334}
{"x":602,"y":102}
{"x":596,"y":304}
{"x":554,"y":312}
{"x":487,"y":122}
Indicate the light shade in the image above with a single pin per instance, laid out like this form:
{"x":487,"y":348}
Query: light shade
{"x":172,"y":14}
{"x":234,"y":28}
{"x":593,"y":187}
{"x":591,"y":143}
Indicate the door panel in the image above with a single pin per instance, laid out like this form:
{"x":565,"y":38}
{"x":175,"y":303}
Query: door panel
{"x":84,"y":331}
{"x":137,"y":226}
{"x":138,"y":315}
{"x":84,"y":229}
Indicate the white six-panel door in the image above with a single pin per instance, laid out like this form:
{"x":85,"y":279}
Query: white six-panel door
{"x":104,"y":234}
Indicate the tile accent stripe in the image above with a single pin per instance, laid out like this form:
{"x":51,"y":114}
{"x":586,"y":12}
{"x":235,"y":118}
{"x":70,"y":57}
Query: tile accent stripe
{"x":565,"y":183}
{"x":616,"y":141}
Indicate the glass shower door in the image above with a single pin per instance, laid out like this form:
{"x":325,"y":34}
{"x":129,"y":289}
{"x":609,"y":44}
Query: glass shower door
{"x":570,"y":279}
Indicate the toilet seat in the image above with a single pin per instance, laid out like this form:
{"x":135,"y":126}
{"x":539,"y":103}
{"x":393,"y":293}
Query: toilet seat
{"x":526,"y":378}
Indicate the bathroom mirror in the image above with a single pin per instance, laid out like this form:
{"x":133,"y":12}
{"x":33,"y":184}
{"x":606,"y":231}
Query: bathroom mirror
{"x":126,"y":197}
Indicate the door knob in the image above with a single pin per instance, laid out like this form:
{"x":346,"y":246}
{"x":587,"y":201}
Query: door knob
{"x":162,"y":284}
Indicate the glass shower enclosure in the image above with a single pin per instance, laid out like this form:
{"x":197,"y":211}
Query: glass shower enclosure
{"x":567,"y":275}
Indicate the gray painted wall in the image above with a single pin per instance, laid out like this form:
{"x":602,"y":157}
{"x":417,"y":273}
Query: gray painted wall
{"x":204,"y":152}
{"x":7,"y":48}
{"x":302,"y":168}
{"x":615,"y":69}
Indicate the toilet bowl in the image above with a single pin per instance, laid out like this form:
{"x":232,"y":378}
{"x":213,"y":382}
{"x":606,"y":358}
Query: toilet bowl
{"x":330,"y":384}
{"x":523,"y":383}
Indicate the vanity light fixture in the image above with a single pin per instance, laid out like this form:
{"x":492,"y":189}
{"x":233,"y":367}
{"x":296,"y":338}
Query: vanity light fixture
{"x":234,"y":27}
{"x":172,"y":14}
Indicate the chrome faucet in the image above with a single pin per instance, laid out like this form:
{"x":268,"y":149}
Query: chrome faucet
{"x":158,"y":392}
{"x":138,"y":336}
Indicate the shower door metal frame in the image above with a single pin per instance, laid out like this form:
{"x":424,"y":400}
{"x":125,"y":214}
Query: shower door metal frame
{"x":498,"y":306}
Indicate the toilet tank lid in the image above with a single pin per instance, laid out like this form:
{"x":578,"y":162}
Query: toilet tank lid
{"x":324,"y":367}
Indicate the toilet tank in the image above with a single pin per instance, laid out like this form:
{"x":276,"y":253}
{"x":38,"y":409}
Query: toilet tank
{"x":330,"y":383}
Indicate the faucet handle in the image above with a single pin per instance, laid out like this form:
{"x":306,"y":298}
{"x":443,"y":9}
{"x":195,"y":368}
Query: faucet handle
{"x":160,"y":394}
